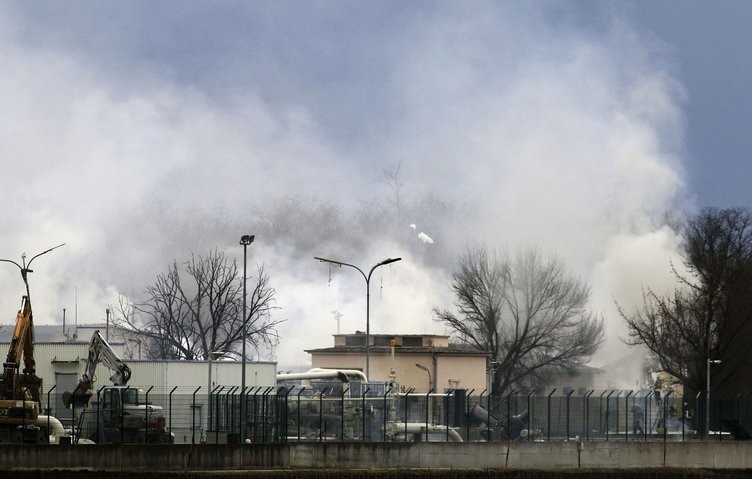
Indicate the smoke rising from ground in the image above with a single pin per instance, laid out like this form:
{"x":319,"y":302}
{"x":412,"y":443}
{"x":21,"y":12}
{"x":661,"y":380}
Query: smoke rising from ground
{"x":140,"y":136}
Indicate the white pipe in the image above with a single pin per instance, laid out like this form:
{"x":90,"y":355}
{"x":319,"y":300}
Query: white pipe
{"x":56,"y":427}
{"x":320,"y":373}
{"x":420,"y":427}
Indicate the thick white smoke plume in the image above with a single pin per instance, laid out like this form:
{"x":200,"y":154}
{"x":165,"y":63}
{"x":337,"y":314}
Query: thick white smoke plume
{"x":501,"y":125}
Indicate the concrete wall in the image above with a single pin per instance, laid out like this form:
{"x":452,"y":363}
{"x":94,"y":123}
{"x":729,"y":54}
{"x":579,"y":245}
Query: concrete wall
{"x":545,"y":456}
{"x":468,"y":370}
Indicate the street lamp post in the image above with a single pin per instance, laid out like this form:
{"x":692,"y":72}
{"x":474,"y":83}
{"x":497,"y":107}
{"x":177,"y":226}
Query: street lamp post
{"x":430,"y":382}
{"x":245,"y":240}
{"x":24,"y":267}
{"x":367,"y":277}
{"x":707,"y":395}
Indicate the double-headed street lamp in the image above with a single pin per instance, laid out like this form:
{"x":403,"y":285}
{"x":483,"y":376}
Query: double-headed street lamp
{"x":245,"y":240}
{"x":367,"y":277}
{"x":25,"y":266}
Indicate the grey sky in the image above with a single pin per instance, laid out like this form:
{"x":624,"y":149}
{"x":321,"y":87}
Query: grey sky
{"x":140,"y":132}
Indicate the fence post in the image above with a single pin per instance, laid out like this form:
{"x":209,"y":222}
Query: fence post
{"x":626,"y":417}
{"x":193,"y":421}
{"x":509,"y":414}
{"x":488,"y":408}
{"x":123,"y":392}
{"x":480,"y":403}
{"x":385,"y":410}
{"x":298,"y":422}
{"x":169,"y":427}
{"x":99,"y":410}
{"x":287,"y":413}
{"x":407,"y":395}
{"x":73,"y":420}
{"x":719,"y":424}
{"x":647,"y":401}
{"x":264,"y":415}
{"x":446,"y":412}
{"x":216,"y":414}
{"x":240,"y":414}
{"x":665,"y":415}
{"x":146,"y":414}
{"x":683,"y":413}
{"x":617,"y":411}
{"x":254,"y":415}
{"x":342,"y":415}
{"x":600,"y":410}
{"x":608,"y":407}
{"x":700,"y":426}
{"x":229,"y":426}
{"x":321,"y":414}
{"x":363,"y":407}
{"x":244,"y":413}
{"x":428,"y":398}
{"x":569,"y":394}
{"x":232,"y":411}
{"x":586,"y":408}
{"x":530,"y":408}
{"x":210,"y":410}
{"x":49,"y":413}
{"x":548,"y":415}
{"x":467,"y":412}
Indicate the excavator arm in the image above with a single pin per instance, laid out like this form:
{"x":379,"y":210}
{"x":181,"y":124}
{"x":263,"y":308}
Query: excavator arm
{"x":27,"y":384}
{"x":99,"y":352}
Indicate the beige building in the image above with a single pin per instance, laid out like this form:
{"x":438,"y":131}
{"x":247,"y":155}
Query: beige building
{"x":414,"y":361}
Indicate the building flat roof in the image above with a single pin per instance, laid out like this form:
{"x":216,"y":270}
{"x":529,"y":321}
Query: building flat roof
{"x":452,"y":349}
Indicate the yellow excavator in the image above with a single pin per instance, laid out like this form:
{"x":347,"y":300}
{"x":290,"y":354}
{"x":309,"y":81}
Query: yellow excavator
{"x":19,"y":390}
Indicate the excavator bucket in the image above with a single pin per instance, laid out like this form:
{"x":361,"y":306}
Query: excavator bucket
{"x":76,"y":398}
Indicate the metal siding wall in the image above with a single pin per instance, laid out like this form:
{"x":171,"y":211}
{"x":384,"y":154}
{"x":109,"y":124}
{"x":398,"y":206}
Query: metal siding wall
{"x":71,"y":358}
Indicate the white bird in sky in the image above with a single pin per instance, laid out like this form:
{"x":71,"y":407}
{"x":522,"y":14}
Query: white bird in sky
{"x":425,"y":238}
{"x":422,"y":236}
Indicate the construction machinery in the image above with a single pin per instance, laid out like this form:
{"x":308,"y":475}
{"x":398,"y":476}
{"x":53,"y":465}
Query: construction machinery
{"x":118,"y":416}
{"x":20,"y":421}
{"x":19,"y":391}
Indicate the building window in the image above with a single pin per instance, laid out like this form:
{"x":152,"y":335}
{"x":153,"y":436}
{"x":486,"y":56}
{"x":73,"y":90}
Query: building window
{"x":355,"y":340}
{"x":381,"y":340}
{"x":414,"y":341}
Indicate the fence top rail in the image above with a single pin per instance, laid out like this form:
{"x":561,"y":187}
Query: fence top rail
{"x":522,"y":395}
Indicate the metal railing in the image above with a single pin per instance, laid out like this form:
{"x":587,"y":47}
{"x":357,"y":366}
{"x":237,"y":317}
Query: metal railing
{"x":373,"y":412}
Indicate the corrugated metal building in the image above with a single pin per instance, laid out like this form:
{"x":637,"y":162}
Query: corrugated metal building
{"x":62,"y":364}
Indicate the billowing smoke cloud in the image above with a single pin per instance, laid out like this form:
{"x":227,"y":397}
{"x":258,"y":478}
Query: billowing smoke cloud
{"x":139,"y":142}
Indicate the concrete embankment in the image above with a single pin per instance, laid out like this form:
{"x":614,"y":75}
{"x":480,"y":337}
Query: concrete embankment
{"x":382,"y":459}
{"x":653,"y":473}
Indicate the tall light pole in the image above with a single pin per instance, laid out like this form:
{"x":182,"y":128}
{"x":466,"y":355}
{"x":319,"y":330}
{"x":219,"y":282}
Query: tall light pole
{"x":367,"y":277}
{"x":245,"y":240}
{"x":707,"y":395}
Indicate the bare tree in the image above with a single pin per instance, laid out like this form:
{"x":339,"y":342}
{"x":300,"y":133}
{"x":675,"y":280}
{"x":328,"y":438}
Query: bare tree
{"x":709,"y":316}
{"x":530,"y":315}
{"x":193,"y":312}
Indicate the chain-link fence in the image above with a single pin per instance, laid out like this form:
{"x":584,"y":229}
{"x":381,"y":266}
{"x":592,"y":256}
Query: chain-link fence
{"x":374,"y":412}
